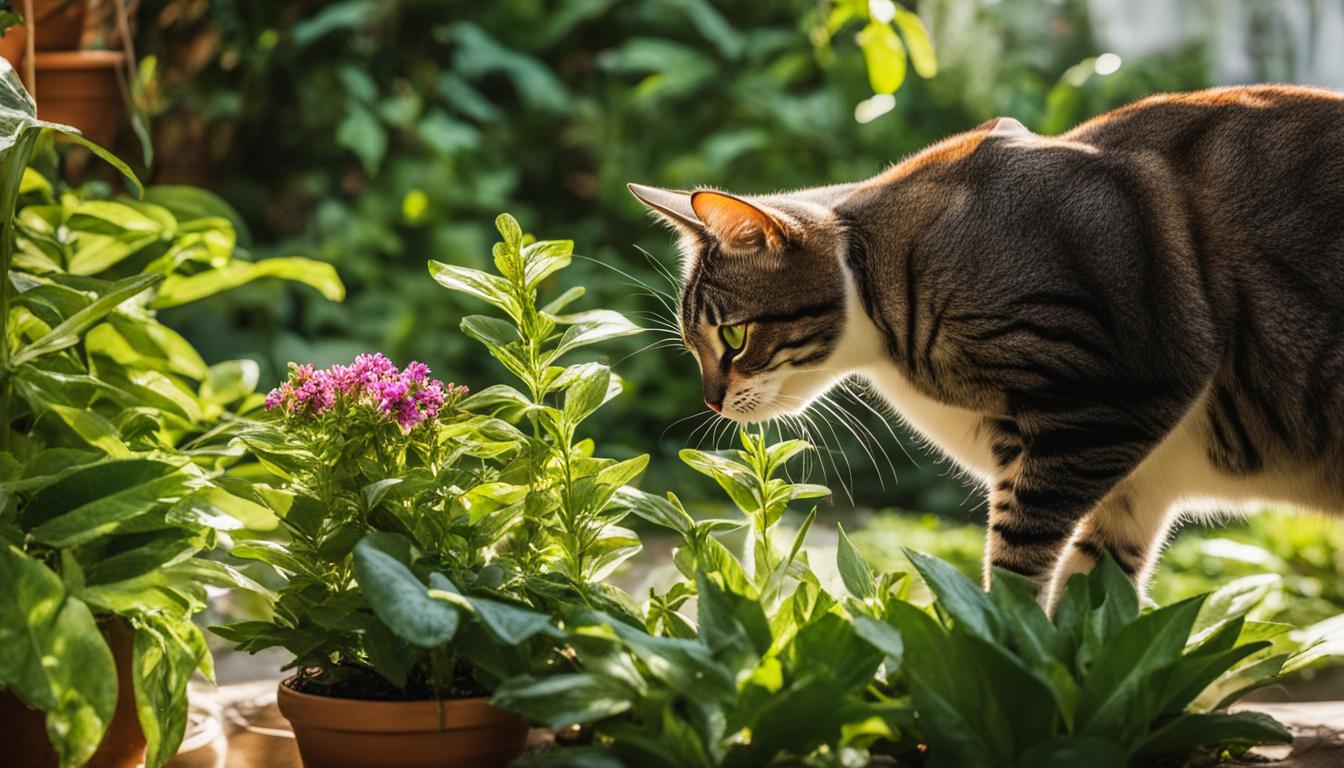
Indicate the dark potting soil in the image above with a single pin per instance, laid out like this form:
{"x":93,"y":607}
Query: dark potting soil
{"x":360,"y":683}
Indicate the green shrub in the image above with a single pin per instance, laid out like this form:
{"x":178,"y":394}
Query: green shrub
{"x":113,"y":440}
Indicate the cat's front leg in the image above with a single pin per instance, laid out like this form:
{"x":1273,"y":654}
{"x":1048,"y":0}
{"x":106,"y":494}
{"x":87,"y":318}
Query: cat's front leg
{"x":1046,"y":484}
{"x":1128,"y":525}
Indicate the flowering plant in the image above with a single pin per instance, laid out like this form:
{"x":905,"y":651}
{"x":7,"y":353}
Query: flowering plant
{"x":383,"y":474}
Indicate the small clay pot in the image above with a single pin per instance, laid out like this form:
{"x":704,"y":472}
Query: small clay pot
{"x":59,"y":23}
{"x":23,"y":730}
{"x":355,"y":733}
{"x":80,"y":89}
{"x":14,"y":44}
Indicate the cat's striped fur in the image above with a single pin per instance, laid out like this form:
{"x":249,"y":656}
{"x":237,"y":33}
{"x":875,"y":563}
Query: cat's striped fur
{"x":1143,"y":315}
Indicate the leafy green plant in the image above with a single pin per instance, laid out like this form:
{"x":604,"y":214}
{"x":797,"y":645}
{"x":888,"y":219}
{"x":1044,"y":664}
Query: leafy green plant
{"x":386,"y":480}
{"x":771,"y":672}
{"x":997,"y":682}
{"x":424,"y":526}
{"x":113,"y":440}
{"x":573,"y":537}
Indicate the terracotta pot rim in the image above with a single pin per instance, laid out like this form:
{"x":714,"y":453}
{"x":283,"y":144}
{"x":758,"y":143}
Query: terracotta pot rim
{"x":79,"y":59}
{"x":367,"y":716}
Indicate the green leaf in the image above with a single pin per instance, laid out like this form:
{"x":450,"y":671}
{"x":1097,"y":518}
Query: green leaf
{"x":964,"y":601}
{"x":1179,"y":738}
{"x":1232,"y":601}
{"x":53,"y":656}
{"x":854,"y":572}
{"x":473,"y":282}
{"x":87,"y":504}
{"x":68,"y":333}
{"x":166,"y":654}
{"x":182,"y":289}
{"x":1121,"y":693}
{"x":884,"y":56}
{"x":587,"y":390}
{"x":230,"y":381}
{"x":946,"y":691}
{"x":543,"y":259}
{"x":884,"y":638}
{"x":917,"y":43}
{"x":558,"y":701}
{"x":401,"y":600}
{"x":591,"y":327}
{"x":361,"y":133}
{"x":654,"y":509}
{"x":511,"y":624}
{"x":132,"y":181}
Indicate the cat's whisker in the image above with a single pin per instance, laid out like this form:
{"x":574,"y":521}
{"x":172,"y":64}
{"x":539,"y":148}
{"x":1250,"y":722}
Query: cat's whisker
{"x":862,"y":435}
{"x":848,"y":386}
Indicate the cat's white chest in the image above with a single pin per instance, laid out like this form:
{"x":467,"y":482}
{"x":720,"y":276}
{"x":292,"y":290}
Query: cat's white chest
{"x":956,"y":432}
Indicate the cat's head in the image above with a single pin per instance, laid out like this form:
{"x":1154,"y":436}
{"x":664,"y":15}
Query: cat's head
{"x":763,"y":299}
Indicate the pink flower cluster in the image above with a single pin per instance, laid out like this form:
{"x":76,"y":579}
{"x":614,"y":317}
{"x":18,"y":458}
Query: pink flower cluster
{"x":409,"y":396}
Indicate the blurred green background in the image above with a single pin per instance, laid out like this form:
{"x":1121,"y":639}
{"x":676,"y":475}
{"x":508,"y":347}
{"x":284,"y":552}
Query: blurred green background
{"x":378,"y":134}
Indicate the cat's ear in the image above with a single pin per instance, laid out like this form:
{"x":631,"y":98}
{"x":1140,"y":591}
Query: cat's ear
{"x":737,"y":223}
{"x":674,"y":207}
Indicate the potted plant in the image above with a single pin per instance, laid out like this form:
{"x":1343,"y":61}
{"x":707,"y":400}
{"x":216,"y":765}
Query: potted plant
{"x":429,"y":537}
{"x":383,"y":473}
{"x":113,"y":439}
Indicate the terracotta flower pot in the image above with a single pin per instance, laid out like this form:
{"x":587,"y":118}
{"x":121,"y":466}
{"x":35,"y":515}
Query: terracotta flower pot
{"x":353,"y":733}
{"x":14,"y":44}
{"x":79,"y":88}
{"x":23,"y":730}
{"x":60,"y":23}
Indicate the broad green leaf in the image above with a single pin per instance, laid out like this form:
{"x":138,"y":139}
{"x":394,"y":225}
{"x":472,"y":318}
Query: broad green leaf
{"x":654,"y":509}
{"x":884,"y":637}
{"x":1121,"y":693}
{"x":543,"y":259}
{"x":884,"y":56}
{"x":947,"y":693}
{"x":917,"y":43}
{"x":181,"y":289}
{"x":511,"y":624}
{"x":1232,"y":601}
{"x":1179,"y":738}
{"x":558,"y":701}
{"x":88,"y":503}
{"x":591,"y":327}
{"x":963,"y":600}
{"x":53,"y":656}
{"x":401,"y":600}
{"x":166,"y":654}
{"x":230,"y":381}
{"x":586,"y":391}
{"x":483,"y":285}
{"x":69,"y":332}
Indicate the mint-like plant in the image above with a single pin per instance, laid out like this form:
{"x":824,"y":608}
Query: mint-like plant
{"x":573,"y":538}
{"x":771,"y":671}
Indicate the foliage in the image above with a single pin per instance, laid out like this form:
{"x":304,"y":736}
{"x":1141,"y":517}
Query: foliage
{"x":367,"y":133}
{"x":777,"y":671}
{"x":997,"y":682}
{"x":113,"y":438}
{"x":408,"y":505}
{"x":772,"y":668}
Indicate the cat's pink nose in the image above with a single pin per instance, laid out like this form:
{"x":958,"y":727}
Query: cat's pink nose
{"x":715,"y":407}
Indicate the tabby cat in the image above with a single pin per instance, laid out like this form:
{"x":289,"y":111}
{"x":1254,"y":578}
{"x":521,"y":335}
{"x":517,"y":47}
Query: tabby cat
{"x":1142,"y":316}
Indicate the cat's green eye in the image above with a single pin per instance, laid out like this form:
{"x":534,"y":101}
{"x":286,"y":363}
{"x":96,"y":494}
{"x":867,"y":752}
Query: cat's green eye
{"x":733,"y":335}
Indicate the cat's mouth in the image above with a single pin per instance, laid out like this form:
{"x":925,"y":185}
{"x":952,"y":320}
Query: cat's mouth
{"x":766,"y":399}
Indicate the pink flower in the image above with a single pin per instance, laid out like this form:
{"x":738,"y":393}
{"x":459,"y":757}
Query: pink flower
{"x":410,"y":397}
